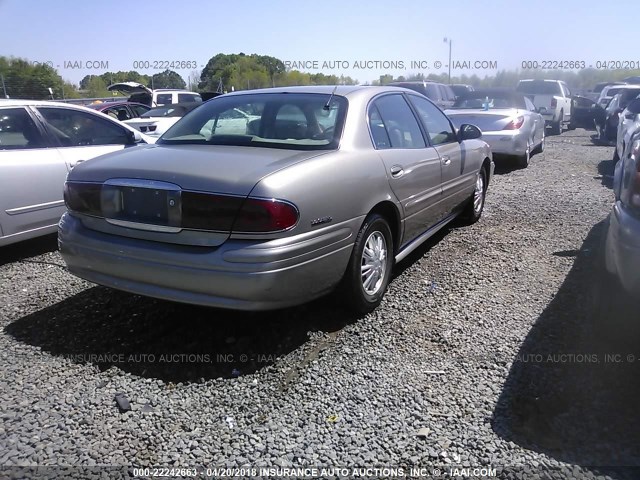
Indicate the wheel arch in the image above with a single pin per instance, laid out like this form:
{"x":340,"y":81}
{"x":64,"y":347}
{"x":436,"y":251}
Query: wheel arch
{"x":389,"y":211}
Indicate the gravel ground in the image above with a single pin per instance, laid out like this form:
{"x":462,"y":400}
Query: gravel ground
{"x":482,"y":354}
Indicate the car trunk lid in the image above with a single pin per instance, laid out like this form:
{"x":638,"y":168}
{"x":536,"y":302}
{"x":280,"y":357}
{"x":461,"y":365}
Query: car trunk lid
{"x":187,"y":194}
{"x":486,"y":120}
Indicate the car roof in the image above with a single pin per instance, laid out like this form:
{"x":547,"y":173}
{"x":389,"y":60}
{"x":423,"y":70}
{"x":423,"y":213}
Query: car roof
{"x":97,"y":106}
{"x":43,"y":103}
{"x":349,"y":91}
{"x":417,"y":82}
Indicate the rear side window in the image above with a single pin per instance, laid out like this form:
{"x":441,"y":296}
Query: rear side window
{"x":432,"y":91}
{"x":74,"y":128}
{"x":378,"y":131}
{"x":18,"y":130}
{"x":164,"y":98}
{"x":188,"y":98}
{"x":399,"y":121}
{"x":539,"y":87}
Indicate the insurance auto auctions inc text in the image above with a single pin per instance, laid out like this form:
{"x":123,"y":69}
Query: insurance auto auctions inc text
{"x":389,"y":64}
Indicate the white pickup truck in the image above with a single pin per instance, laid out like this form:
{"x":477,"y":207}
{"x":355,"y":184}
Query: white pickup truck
{"x":554,"y":96}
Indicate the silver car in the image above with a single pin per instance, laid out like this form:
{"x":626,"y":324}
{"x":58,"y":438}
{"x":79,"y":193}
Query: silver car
{"x":509,"y":121}
{"x":622,"y":244}
{"x":40,"y":142}
{"x":326,"y":186}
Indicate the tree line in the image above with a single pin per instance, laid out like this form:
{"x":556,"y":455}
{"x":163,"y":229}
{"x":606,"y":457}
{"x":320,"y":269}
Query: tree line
{"x":20,"y":78}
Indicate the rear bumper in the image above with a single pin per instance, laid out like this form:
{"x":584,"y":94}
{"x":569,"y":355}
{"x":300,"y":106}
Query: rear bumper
{"x":622,"y":248}
{"x":240,"y":274}
{"x":506,"y":142}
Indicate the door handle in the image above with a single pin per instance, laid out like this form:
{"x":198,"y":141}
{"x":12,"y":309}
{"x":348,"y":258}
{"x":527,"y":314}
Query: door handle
{"x":446,"y":159}
{"x":396,"y":171}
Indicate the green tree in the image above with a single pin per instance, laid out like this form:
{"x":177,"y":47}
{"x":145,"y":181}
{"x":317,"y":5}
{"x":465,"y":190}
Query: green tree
{"x":168,"y":79}
{"x":22,"y":79}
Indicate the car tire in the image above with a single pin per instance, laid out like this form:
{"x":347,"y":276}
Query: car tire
{"x":473,"y":211}
{"x":556,"y":127}
{"x":571,"y":126}
{"x":373,"y":248}
{"x":616,"y":157}
{"x":523,"y":160}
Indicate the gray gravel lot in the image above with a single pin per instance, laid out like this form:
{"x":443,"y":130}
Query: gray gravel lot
{"x":484,"y":341}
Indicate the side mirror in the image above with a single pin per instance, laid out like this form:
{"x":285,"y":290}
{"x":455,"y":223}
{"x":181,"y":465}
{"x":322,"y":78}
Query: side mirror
{"x":541,"y":110}
{"x":468,"y":132}
{"x":134,"y":137}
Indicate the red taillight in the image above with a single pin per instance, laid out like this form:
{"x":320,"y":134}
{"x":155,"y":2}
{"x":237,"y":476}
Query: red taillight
{"x":259,"y":215}
{"x":207,"y":211}
{"x":515,"y":124}
{"x":83,"y":197}
{"x":554,"y":102}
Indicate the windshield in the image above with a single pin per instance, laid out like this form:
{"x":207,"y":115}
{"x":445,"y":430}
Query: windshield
{"x":300,"y":121}
{"x":539,"y":88}
{"x":479,"y":100}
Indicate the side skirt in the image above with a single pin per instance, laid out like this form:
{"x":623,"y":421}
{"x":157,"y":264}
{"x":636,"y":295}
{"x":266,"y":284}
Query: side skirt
{"x":410,"y":247}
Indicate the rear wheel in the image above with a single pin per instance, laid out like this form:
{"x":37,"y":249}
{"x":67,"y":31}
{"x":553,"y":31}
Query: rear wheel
{"x":556,"y":127}
{"x":473,"y":210}
{"x":523,"y":160}
{"x":369,"y":269}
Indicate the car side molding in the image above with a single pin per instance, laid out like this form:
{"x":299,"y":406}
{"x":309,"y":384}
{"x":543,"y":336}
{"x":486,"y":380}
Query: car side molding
{"x":410,"y":247}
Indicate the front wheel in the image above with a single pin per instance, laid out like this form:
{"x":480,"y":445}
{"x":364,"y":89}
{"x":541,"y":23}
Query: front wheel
{"x":367,"y":277}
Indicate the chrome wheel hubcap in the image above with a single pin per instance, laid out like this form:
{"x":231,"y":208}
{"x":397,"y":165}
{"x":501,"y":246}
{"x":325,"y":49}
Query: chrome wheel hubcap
{"x":373,"y":263}
{"x":478,"y":195}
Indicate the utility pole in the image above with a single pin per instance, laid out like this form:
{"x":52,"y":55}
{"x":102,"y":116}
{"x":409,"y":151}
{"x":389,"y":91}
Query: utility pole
{"x":449,"y":41}
{"x":4,"y":88}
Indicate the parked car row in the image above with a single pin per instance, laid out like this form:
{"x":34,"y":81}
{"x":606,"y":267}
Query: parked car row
{"x":238,"y":205}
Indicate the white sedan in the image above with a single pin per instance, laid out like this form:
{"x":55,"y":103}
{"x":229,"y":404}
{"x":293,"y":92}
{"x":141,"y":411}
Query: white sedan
{"x":40,"y":142}
{"x":158,"y":120}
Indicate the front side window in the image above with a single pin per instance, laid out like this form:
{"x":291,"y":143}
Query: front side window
{"x":303,"y":121}
{"x":74,"y":128}
{"x":435,"y":122}
{"x":18,"y":130}
{"x":399,"y":121}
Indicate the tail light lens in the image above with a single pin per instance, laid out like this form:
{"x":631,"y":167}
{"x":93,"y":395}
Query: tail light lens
{"x":83,"y":197}
{"x":265,"y":215}
{"x":206,"y":211}
{"x":515,"y":124}
{"x":200,"y":211}
{"x":554,"y":102}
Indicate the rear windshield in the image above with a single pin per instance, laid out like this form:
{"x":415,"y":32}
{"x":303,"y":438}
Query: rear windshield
{"x":300,"y":121}
{"x":539,"y":88}
{"x":167,"y":111}
{"x":477,"y":100}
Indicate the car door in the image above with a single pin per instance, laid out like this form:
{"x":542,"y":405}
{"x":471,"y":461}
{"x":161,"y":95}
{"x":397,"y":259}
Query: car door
{"x":458,"y":172}
{"x":413,"y":167}
{"x":32,"y":175}
{"x":82,"y":135}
